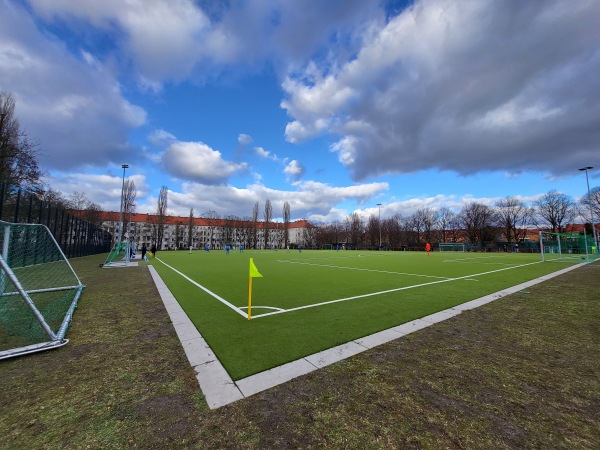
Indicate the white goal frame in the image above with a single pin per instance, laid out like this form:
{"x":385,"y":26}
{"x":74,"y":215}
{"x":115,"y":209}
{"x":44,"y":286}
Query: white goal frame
{"x":452,"y":247}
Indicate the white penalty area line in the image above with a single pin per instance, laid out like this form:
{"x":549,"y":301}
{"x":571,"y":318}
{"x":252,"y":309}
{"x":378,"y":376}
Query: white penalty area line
{"x":475,"y":260}
{"x":209,"y":292}
{"x":361,"y":269}
{"x":392,"y":290}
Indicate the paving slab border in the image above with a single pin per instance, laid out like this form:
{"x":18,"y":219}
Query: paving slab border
{"x":220,"y":390}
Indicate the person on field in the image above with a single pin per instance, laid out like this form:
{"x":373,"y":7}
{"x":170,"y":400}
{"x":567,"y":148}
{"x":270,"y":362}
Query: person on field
{"x":153,"y":250}
{"x":428,"y":248}
{"x":144,"y":250}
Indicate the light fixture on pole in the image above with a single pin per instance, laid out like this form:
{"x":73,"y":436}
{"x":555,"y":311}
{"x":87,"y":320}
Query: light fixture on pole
{"x":379,"y":205}
{"x":119,"y":234}
{"x":585,"y":169}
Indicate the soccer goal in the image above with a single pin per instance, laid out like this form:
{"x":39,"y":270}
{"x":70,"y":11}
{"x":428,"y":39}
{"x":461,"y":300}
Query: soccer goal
{"x":39,"y":290}
{"x":452,"y":247}
{"x":567,"y":247}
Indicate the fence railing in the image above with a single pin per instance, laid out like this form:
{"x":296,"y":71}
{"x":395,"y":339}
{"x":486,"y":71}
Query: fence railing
{"x":75,"y":236}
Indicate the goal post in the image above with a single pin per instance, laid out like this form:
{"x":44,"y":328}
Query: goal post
{"x":567,"y":247}
{"x":452,"y":247}
{"x":39,"y":290}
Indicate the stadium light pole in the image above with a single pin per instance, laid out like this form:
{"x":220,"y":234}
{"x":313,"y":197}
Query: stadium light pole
{"x":585,"y":169}
{"x":119,"y":234}
{"x":379,"y":205}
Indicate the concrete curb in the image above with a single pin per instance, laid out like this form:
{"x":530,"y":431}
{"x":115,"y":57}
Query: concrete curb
{"x":218,"y":387}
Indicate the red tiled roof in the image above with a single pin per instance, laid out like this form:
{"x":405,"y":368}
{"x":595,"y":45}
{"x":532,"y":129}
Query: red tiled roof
{"x":198,"y":221}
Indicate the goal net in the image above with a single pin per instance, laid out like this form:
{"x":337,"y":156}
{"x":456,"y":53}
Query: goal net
{"x":38,"y":290}
{"x":451,"y":247}
{"x":567,"y":247}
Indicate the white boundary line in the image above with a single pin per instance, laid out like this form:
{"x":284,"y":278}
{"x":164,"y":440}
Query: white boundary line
{"x":209,"y":292}
{"x":359,"y":268}
{"x":329,"y":302}
{"x":390,"y":290}
{"x":220,"y":390}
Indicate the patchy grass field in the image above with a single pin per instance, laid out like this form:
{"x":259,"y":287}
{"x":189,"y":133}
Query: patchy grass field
{"x":521,"y":372}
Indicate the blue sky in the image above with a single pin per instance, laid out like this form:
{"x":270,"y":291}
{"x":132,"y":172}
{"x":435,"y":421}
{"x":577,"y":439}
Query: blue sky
{"x":332,"y":106}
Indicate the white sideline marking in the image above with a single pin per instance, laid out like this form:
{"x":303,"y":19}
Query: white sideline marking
{"x":221,"y":299}
{"x":359,"y":268}
{"x":372,"y":294}
{"x":466,"y":277}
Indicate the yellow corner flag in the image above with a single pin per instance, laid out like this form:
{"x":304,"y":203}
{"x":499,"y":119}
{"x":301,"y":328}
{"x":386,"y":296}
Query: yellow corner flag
{"x":254,"y":273}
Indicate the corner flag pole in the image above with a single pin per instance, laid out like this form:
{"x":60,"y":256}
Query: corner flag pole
{"x":254,"y":273}
{"x":249,"y":297}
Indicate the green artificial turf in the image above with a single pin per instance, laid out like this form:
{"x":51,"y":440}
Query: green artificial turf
{"x":420,"y":285}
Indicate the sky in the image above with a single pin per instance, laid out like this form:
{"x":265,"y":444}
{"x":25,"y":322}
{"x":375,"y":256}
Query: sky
{"x":333,"y":106}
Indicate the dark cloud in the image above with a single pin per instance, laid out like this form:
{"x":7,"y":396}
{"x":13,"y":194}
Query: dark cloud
{"x":462,"y":86}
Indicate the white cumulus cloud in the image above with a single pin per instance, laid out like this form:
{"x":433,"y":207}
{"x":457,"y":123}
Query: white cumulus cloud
{"x":197,"y":162}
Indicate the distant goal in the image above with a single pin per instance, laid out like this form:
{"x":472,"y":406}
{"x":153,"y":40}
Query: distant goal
{"x":452,"y":247}
{"x":567,"y":247}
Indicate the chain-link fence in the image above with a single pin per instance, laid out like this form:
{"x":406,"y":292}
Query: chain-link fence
{"x":75,"y":236}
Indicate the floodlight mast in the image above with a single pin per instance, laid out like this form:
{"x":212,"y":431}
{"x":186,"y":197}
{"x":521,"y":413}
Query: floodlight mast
{"x":119,"y":234}
{"x":585,"y":169}
{"x":379,"y":205}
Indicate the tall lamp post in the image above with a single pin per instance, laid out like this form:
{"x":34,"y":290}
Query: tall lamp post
{"x":585,"y":169}
{"x":119,"y":234}
{"x":379,"y":205}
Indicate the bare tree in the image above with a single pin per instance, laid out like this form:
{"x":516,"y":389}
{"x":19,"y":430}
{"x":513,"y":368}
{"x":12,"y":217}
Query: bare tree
{"x":355,"y":228}
{"x":392,"y":230}
{"x":414,"y":227}
{"x":591,"y":202}
{"x":513,"y":217}
{"x":212,"y":219}
{"x":190,"y":228}
{"x":254,"y":225}
{"x":556,"y":208}
{"x":267,"y":223}
{"x":93,"y":213}
{"x":18,"y":155}
{"x":161,"y":216}
{"x":84,"y":208}
{"x":78,"y":201}
{"x":425,"y":219}
{"x":228,"y":229}
{"x":455,"y":231}
{"x":129,"y":195}
{"x":309,"y":237}
{"x":54,"y":198}
{"x":286,"y":224}
{"x":372,"y":231}
{"x":478,"y":220}
{"x":445,"y":219}
{"x":337,"y":232}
